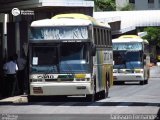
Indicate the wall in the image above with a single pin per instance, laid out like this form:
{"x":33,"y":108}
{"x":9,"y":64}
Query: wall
{"x":140,"y":4}
{"x":1,"y":53}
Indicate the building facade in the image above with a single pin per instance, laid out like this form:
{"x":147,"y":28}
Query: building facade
{"x":139,"y":4}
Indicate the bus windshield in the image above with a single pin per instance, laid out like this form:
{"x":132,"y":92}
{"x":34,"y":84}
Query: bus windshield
{"x":127,"y":59}
{"x":128,"y":55}
{"x":63,"y":58}
{"x":74,"y":58}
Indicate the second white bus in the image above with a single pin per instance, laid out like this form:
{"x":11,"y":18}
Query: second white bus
{"x":131,"y":59}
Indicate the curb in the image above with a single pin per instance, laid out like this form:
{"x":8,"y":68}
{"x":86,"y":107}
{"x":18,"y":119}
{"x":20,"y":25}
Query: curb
{"x":15,"y":99}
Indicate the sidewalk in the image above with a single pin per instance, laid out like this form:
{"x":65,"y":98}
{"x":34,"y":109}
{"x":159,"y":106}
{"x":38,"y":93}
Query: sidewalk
{"x":14,"y":99}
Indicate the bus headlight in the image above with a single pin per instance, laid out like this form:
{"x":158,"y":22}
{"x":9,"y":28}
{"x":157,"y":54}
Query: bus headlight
{"x":138,"y":70}
{"x":115,"y":71}
{"x":88,"y":79}
{"x":80,"y":76}
{"x":80,"y":79}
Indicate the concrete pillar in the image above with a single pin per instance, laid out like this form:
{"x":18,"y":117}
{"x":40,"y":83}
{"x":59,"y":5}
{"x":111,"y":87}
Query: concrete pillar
{"x":17,"y":38}
{"x":1,"y":53}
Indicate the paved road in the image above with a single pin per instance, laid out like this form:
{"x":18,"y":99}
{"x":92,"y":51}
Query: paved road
{"x":129,"y":99}
{"x":155,"y":72}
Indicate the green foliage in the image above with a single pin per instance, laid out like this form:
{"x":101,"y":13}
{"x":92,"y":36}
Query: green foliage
{"x":128,"y":7}
{"x":105,"y":5}
{"x":153,"y":35}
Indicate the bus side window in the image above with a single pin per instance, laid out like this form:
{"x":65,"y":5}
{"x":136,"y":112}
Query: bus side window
{"x":105,"y":37}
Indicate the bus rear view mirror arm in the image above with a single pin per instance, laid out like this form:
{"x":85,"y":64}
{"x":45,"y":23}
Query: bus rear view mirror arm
{"x":93,"y":50}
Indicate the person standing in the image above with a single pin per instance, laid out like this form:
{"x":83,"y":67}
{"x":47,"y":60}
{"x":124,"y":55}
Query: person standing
{"x":21,"y":63}
{"x":10,"y":68}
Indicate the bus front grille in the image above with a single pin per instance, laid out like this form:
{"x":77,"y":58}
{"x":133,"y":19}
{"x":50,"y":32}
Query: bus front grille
{"x":58,"y":80}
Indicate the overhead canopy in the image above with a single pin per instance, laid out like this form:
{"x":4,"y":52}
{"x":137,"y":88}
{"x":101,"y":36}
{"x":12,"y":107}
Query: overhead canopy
{"x":6,"y":7}
{"x":130,"y":19}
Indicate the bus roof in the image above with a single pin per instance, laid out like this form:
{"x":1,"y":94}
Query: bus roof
{"x":129,"y":38}
{"x":74,"y":16}
{"x":71,"y":19}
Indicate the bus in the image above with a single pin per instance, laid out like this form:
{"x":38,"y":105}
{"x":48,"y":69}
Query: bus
{"x":131,"y":59}
{"x":70,"y":55}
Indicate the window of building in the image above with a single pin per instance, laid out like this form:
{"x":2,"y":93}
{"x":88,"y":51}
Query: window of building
{"x":132,"y":1}
{"x":151,"y":4}
{"x":150,"y":1}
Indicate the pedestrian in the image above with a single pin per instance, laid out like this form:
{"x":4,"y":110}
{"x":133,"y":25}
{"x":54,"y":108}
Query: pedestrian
{"x":10,"y":68}
{"x":21,"y":63}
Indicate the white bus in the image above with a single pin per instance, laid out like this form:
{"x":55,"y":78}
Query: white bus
{"x":70,"y":55}
{"x":131,"y":59}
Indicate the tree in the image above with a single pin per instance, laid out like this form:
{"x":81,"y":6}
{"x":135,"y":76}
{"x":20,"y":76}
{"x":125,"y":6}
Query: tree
{"x":105,"y":5}
{"x":153,"y":35}
{"x":127,"y":7}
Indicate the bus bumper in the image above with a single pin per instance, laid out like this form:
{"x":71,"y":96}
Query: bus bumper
{"x":41,"y":89}
{"x":128,"y":77}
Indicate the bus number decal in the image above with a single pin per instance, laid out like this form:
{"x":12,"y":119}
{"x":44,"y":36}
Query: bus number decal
{"x":108,"y":57}
{"x":45,"y":76}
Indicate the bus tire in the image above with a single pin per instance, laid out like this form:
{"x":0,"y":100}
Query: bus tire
{"x":142,"y":82}
{"x":146,"y":81}
{"x":104,"y":93}
{"x":31,"y":98}
{"x":90,"y":98}
{"x":107,"y":85}
{"x":114,"y":82}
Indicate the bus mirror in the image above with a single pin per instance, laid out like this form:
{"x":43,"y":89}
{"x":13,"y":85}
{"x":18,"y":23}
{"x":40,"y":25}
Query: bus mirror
{"x":93,"y":50}
{"x":144,"y":56}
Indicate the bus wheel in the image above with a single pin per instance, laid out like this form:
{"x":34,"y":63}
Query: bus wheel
{"x":90,"y":98}
{"x":104,"y":94}
{"x":107,"y":90}
{"x":107,"y":85}
{"x":31,"y":99}
{"x":142,"y":82}
{"x":146,"y":81}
